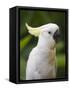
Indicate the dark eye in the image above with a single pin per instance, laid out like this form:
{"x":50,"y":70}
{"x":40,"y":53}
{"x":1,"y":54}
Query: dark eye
{"x":49,"y":32}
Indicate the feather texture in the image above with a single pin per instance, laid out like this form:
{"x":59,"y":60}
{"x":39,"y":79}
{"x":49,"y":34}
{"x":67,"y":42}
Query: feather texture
{"x":41,"y":62}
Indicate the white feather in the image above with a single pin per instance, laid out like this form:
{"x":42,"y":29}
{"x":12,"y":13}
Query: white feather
{"x":42,"y":59}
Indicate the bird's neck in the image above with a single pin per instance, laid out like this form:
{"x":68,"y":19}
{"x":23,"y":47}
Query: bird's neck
{"x":45,"y":43}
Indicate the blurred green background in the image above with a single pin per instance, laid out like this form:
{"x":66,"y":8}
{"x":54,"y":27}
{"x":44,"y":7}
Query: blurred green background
{"x":27,"y":42}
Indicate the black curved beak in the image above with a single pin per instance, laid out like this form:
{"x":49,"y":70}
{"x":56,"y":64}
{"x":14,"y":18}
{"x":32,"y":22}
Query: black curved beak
{"x":56,"y":36}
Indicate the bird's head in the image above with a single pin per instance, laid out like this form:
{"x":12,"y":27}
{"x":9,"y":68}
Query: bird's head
{"x":49,"y":33}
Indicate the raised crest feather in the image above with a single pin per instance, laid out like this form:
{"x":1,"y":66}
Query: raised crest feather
{"x":33,"y":31}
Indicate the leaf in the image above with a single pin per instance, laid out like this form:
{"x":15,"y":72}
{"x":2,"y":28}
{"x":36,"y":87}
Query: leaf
{"x":25,"y":41}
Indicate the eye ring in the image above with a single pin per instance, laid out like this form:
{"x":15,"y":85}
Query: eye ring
{"x":49,"y":32}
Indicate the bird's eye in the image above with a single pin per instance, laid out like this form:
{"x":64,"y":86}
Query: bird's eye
{"x":49,"y":32}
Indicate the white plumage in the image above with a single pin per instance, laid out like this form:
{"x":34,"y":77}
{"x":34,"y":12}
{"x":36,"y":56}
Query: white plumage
{"x":41,"y":62}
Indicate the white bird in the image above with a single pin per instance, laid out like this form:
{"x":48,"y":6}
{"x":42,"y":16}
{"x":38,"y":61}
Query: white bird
{"x":41,"y":62}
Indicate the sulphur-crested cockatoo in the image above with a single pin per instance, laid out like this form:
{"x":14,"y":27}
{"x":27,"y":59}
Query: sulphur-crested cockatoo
{"x":41,"y":63}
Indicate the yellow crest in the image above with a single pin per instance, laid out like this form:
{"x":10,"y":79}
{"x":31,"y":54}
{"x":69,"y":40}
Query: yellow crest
{"x":33,"y":31}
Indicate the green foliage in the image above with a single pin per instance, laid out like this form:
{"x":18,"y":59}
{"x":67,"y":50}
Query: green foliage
{"x":24,"y":41}
{"x":27,"y":42}
{"x":22,"y":69}
{"x":60,"y":65}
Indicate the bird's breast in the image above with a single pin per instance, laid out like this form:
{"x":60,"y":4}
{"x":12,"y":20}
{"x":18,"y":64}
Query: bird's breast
{"x":46,"y":60}
{"x":52,"y":57}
